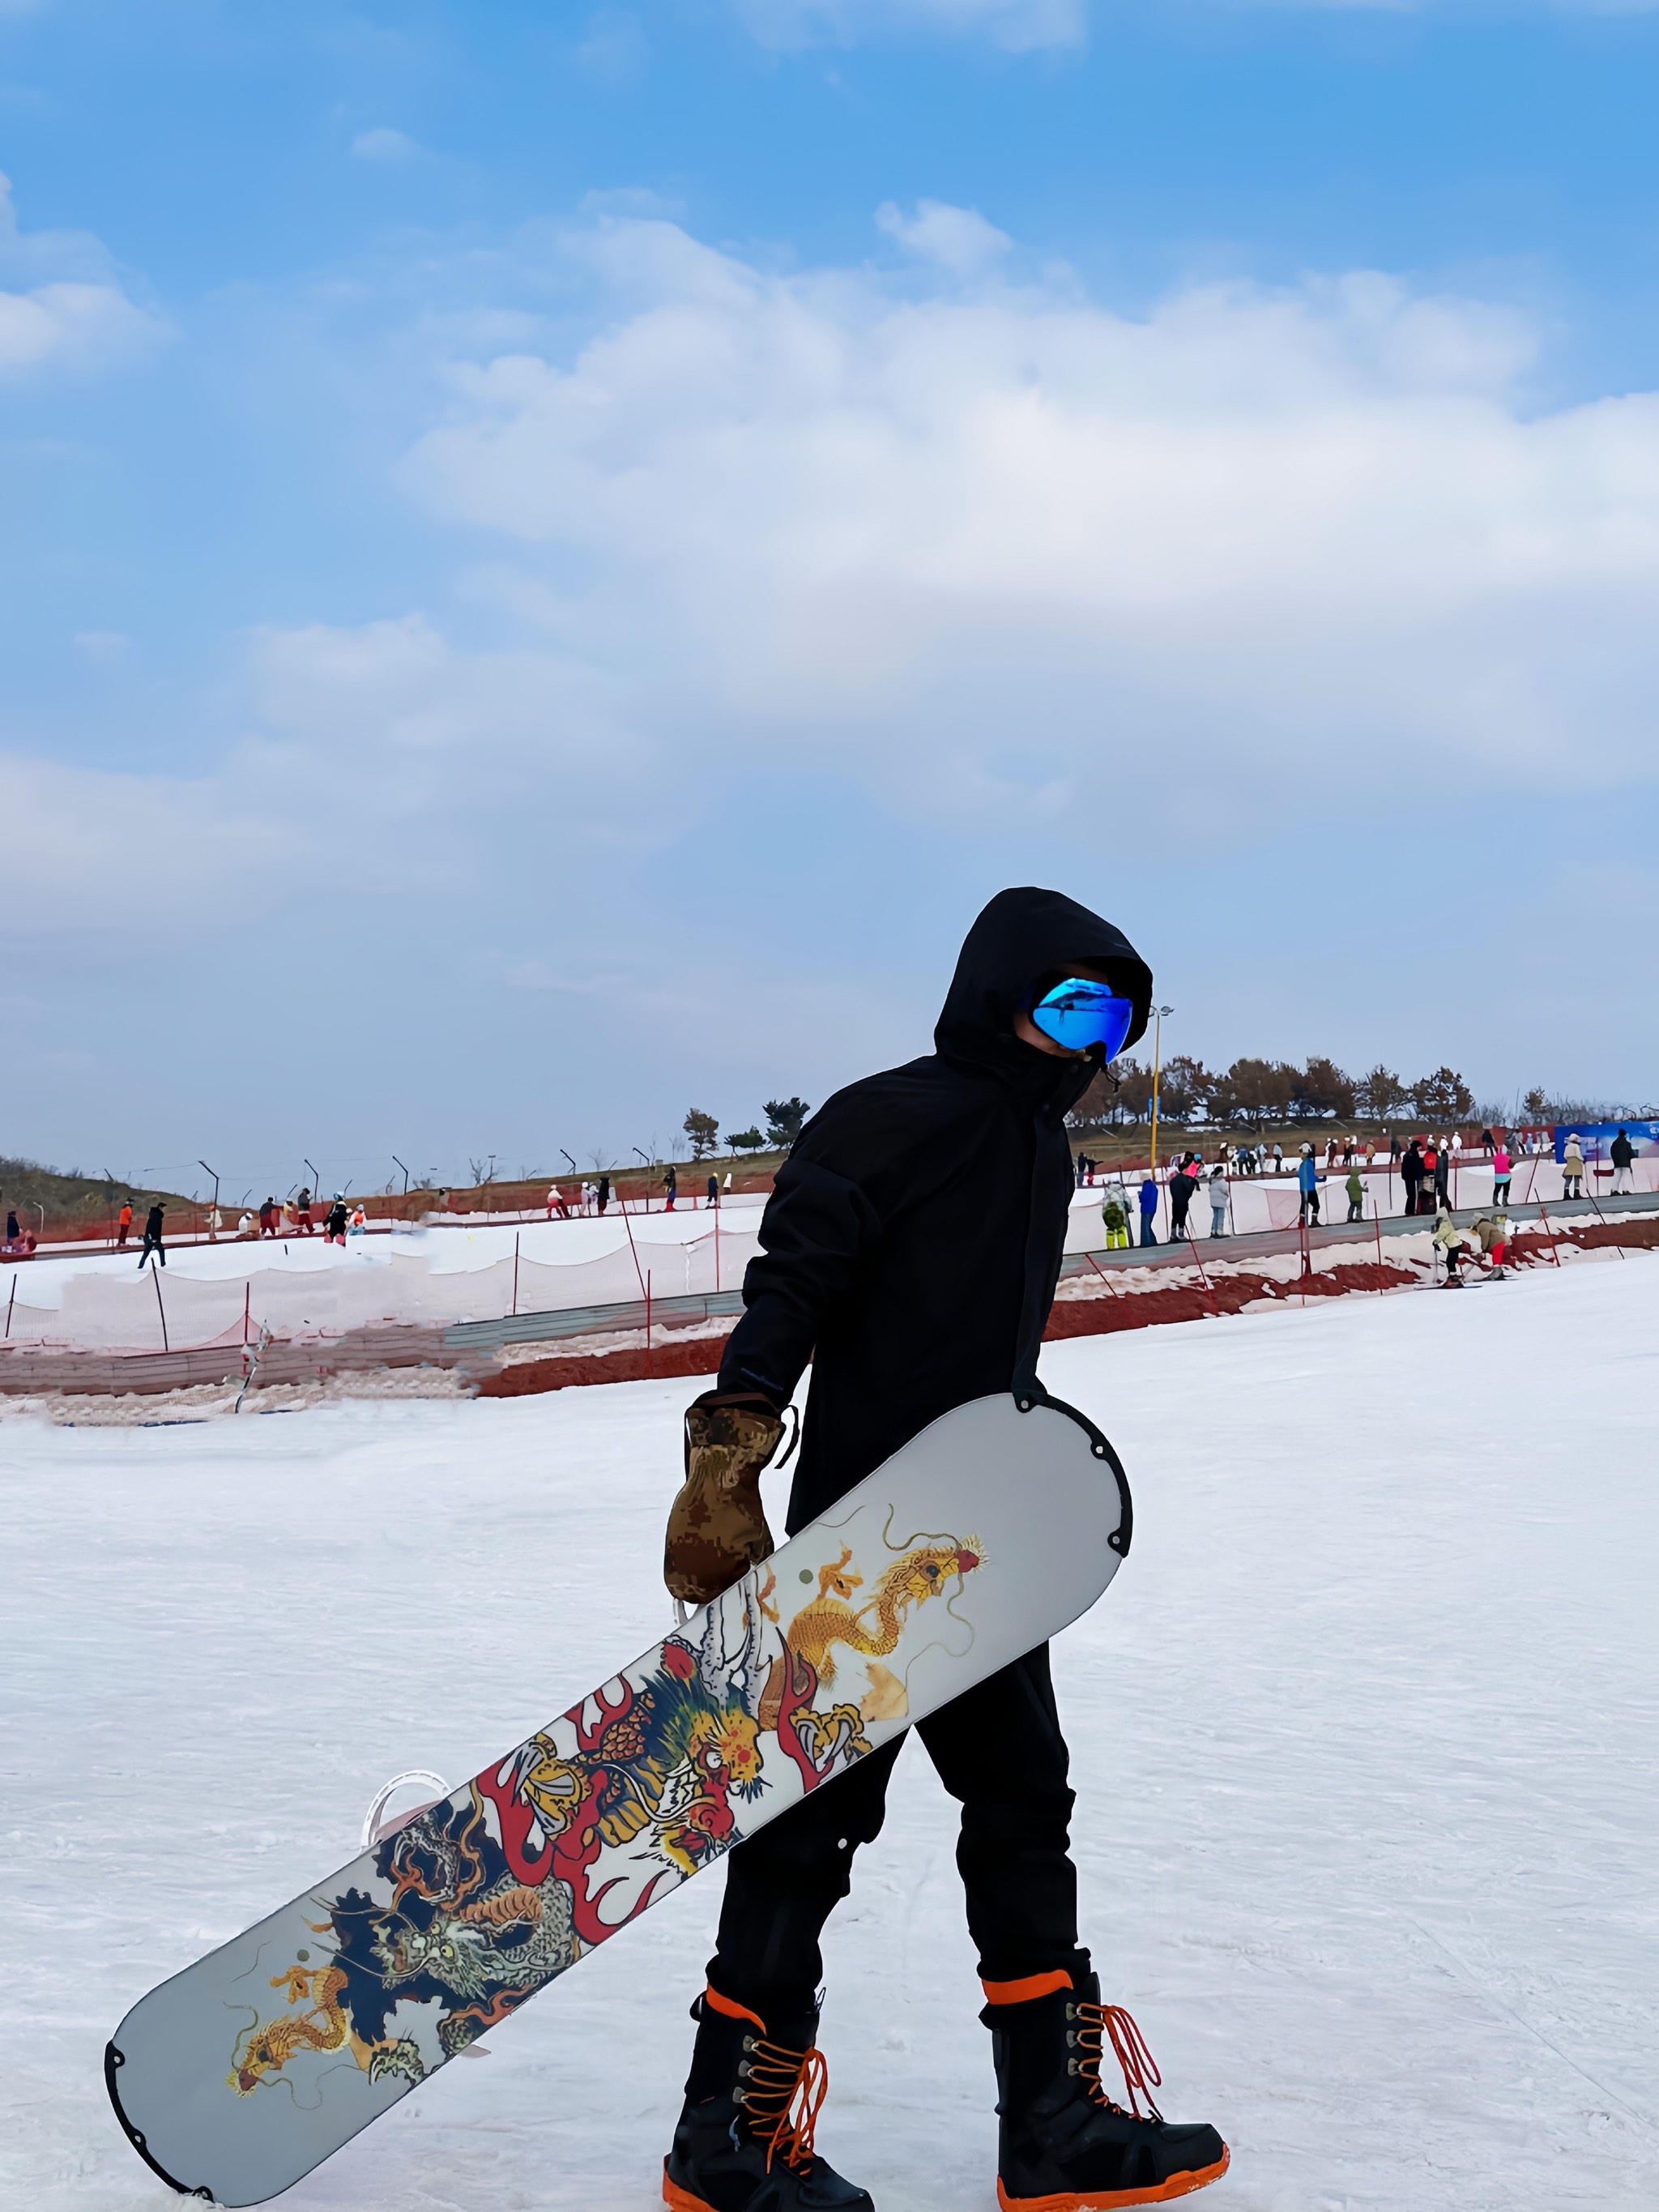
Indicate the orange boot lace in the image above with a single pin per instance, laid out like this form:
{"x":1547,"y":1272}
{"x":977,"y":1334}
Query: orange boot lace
{"x":1140,"y":2074}
{"x":784,"y":2095}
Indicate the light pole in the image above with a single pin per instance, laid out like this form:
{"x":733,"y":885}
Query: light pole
{"x":1157,"y":1062}
{"x":213,"y":1223}
{"x":316,"y":1180}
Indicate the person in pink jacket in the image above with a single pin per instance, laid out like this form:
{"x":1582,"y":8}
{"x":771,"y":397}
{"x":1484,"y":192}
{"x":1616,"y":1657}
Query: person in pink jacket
{"x":1501,"y":1170}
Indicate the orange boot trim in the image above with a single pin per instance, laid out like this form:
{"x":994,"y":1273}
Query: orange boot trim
{"x":1088,"y":2200}
{"x":680,"y":2199}
{"x":1028,"y":1986}
{"x":730,"y":2006}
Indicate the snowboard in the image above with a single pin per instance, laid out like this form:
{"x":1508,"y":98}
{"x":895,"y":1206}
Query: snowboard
{"x":988,"y":1532}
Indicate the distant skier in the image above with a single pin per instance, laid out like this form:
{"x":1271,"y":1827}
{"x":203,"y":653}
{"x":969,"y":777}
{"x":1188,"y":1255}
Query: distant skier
{"x":302,"y":1211}
{"x":713,"y":1192}
{"x":1114,"y":1219}
{"x":1444,"y":1159}
{"x":124,"y":1224}
{"x":1573,"y":1168}
{"x":1148,"y":1209}
{"x":1411,"y":1175}
{"x":1218,"y":1187}
{"x":671,"y":1183}
{"x":1307,"y":1183}
{"x":910,"y":1250}
{"x":1502,"y":1169}
{"x":153,"y":1236}
{"x":1356,"y":1190}
{"x":1622,"y":1153}
{"x":1181,"y":1187}
{"x":334,"y":1228}
{"x":602,"y":1193}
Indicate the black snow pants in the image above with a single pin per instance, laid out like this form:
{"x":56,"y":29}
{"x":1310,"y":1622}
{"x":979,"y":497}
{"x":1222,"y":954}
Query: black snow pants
{"x":999,"y":1753}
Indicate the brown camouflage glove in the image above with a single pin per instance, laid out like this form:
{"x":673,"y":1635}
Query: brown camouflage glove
{"x":716,"y":1526}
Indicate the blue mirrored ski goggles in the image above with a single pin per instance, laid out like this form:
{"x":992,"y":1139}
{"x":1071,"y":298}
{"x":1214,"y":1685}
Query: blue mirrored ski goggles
{"x":1077,"y":1013}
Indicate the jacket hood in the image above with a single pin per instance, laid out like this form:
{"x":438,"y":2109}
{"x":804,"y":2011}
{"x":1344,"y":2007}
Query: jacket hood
{"x":1020,"y":937}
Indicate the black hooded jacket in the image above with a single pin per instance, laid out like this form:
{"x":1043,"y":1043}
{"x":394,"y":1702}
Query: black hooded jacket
{"x":912,"y":1244}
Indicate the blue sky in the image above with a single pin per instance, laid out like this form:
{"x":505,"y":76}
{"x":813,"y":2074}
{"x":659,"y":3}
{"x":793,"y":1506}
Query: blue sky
{"x":554,"y":556}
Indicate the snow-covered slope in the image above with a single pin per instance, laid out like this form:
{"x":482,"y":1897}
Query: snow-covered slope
{"x":1363,"y":1737}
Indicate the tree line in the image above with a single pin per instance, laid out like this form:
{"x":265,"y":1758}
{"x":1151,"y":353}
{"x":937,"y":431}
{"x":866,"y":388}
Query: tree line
{"x":784,"y":1117}
{"x":1259,"y":1093}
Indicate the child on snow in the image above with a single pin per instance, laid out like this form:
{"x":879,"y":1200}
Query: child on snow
{"x":1450,"y":1237}
{"x":1114,"y":1214}
{"x":1493,"y":1231}
{"x":1356,"y":1191}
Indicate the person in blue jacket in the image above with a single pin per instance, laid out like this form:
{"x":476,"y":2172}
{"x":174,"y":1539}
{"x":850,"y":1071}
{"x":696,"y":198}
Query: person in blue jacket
{"x":1307,"y":1182}
{"x":1148,"y":1209}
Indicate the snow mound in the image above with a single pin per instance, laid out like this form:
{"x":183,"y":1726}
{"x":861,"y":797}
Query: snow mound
{"x":1362,"y":1738}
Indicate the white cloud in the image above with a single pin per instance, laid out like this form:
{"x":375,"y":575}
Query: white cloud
{"x":997,"y":539}
{"x":88,"y":850}
{"x":613,"y":46}
{"x":77,"y":316}
{"x":384,"y":145}
{"x":1021,"y":26}
{"x":957,"y":238}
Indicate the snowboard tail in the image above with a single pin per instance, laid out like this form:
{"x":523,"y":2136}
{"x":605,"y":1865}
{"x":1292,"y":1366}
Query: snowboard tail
{"x":983,"y":1536}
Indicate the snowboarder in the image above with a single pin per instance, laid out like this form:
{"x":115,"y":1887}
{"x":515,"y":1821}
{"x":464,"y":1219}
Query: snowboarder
{"x":302,"y":1211}
{"x":910,"y":1249}
{"x":602,"y":1193}
{"x":713,"y":1191}
{"x":153,"y":1235}
{"x":124,"y":1224}
{"x":671,"y":1183}
{"x":334,"y":1228}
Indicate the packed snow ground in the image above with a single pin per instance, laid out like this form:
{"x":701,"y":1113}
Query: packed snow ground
{"x":1364,"y":1733}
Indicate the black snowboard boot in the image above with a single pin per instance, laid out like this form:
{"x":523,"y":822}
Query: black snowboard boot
{"x":744,"y":2138}
{"x":1064,"y":2145}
